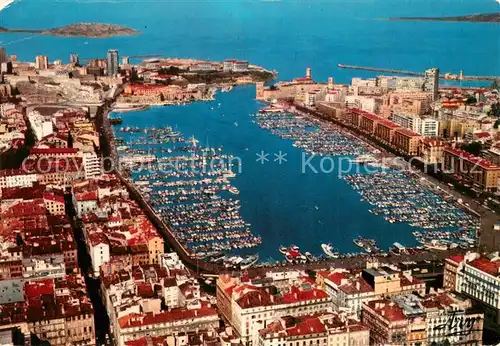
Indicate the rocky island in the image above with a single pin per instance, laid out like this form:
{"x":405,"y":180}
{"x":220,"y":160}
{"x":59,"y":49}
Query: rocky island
{"x":92,"y":30}
{"x":477,"y":18}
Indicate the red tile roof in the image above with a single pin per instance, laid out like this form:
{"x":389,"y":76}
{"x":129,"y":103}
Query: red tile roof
{"x":357,"y":286}
{"x":388,"y":123}
{"x":336,"y":278}
{"x":407,"y":132}
{"x":456,"y":258}
{"x":136,"y":320}
{"x":471,"y":158}
{"x":487,"y":266}
{"x":48,"y":151}
{"x":148,"y":341}
{"x":387,"y":310}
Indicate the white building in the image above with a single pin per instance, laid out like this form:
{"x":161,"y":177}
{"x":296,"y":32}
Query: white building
{"x":479,"y":277}
{"x":98,"y":250}
{"x":16,"y":178}
{"x":91,"y":165}
{"x":368,"y":104}
{"x":324,"y":329}
{"x":40,"y":125}
{"x":249,"y":308}
{"x":85,"y":203}
{"x":427,"y":127}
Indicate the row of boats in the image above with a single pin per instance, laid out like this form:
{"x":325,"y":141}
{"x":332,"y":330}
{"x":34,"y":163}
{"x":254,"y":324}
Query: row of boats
{"x":189,"y":187}
{"x":310,"y":134}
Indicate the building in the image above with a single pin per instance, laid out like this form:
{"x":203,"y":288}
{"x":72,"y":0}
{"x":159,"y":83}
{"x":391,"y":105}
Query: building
{"x":349,"y":292}
{"x":16,"y":178}
{"x":252,"y":305}
{"x":431,"y":151}
{"x":41,"y":62}
{"x":41,"y":125}
{"x":3,"y":55}
{"x":320,"y":329}
{"x":112,"y":62}
{"x":482,"y":173}
{"x":431,"y":82}
{"x":233,"y":65}
{"x":175,"y":321}
{"x":478,"y":277}
{"x":427,"y":127}
{"x":450,"y":317}
{"x":430,"y":319}
{"x":74,"y":59}
{"x":91,"y":165}
{"x":406,"y":141}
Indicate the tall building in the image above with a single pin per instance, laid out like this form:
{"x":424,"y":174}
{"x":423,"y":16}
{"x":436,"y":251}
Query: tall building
{"x":41,"y":62}
{"x":477,"y":276}
{"x":74,"y":59}
{"x":431,"y":82}
{"x":3,"y":55}
{"x":112,"y":60}
{"x":308,"y":72}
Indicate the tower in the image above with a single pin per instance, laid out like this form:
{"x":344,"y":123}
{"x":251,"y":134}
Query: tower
{"x":112,"y":60}
{"x":431,"y":82}
{"x":3,"y":55}
{"x":308,"y":72}
{"x":41,"y":62}
{"x":74,"y":59}
{"x":330,"y":83}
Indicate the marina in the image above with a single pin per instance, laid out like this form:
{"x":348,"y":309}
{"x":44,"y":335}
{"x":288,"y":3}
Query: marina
{"x":189,"y":168}
{"x":189,"y":186}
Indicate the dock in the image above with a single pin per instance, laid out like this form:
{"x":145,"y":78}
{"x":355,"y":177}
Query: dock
{"x":447,"y":76}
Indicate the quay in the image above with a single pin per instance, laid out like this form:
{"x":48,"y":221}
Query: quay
{"x":418,"y":74}
{"x":201,"y":267}
{"x":488,"y":239}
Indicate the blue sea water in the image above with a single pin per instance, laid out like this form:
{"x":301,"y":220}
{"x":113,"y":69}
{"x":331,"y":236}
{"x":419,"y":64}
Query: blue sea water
{"x":283,"y":205}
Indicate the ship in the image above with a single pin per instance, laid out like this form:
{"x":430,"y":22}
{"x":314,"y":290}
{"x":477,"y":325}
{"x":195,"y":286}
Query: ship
{"x":329,"y":251}
{"x":436,"y":245}
{"x":309,"y":256}
{"x":249,"y":261}
{"x":283,"y":249}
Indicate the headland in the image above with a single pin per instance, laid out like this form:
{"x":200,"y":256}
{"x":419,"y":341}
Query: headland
{"x":91,"y":30}
{"x":477,"y":18}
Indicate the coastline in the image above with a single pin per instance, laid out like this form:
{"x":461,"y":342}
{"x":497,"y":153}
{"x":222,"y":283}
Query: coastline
{"x":473,"y":18}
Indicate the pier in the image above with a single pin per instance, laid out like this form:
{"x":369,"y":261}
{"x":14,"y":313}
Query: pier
{"x":447,"y":76}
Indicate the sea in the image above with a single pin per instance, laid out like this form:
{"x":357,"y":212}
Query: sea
{"x":285,"y":204}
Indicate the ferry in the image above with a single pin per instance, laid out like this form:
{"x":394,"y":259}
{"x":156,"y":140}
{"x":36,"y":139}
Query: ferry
{"x":436,"y":245}
{"x":249,"y":261}
{"x":329,"y":251}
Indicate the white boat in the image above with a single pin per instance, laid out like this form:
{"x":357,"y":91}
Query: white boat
{"x":283,"y":249}
{"x":234,"y":190}
{"x":436,"y":245}
{"x":329,"y":251}
{"x":249,"y":261}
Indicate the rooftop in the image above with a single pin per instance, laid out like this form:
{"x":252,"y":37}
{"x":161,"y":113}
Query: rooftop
{"x":471,"y":158}
{"x":136,"y":320}
{"x":408,"y":133}
{"x":485,"y":265}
